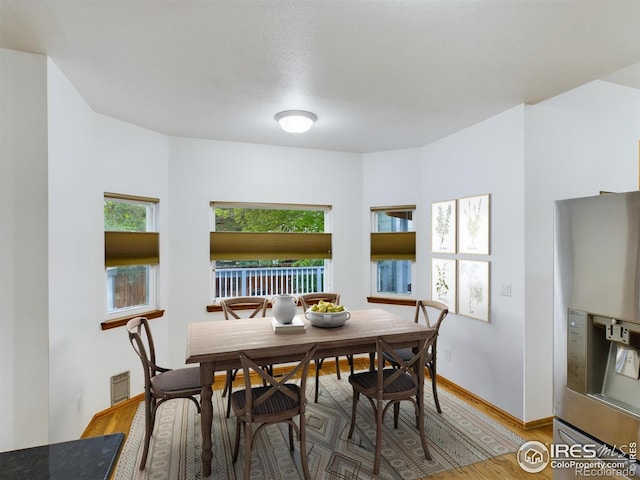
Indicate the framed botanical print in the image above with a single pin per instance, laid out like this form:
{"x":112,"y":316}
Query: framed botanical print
{"x":473,"y":289}
{"x":473,"y":224}
{"x":443,"y":226}
{"x":443,"y":281}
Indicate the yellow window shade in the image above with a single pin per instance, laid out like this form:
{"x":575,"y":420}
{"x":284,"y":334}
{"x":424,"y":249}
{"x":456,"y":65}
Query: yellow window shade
{"x":393,"y":246}
{"x":268,"y":245}
{"x":131,"y":248}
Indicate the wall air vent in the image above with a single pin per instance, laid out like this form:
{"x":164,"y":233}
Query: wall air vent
{"x":119,"y":388}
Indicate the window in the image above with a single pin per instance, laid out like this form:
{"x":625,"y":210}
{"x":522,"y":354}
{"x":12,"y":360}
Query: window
{"x":131,"y":254}
{"x":393,"y":250}
{"x":266,"y":249}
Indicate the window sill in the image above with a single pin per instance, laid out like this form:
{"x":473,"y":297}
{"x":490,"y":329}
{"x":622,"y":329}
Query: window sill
{"x":122,"y":321}
{"x":409,"y":302}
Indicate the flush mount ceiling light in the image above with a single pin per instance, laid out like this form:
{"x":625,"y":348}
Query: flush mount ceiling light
{"x":295,"y":121}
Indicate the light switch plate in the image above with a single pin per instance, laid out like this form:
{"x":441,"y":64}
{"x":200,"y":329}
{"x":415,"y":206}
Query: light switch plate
{"x":505,"y":289}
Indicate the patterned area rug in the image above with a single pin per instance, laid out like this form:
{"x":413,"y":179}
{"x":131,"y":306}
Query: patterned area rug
{"x":458,"y":437}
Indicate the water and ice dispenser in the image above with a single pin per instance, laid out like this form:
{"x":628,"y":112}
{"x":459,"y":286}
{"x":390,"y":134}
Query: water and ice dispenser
{"x":603,"y":359}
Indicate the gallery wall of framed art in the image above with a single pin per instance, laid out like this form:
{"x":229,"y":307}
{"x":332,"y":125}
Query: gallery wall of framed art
{"x":460,"y":229}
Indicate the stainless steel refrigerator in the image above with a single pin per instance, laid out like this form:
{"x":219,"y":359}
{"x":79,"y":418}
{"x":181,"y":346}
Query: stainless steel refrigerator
{"x":597,"y":336}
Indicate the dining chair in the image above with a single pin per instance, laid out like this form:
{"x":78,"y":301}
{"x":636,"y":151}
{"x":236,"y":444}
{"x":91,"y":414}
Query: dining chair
{"x":252,"y":307}
{"x":307,"y":300}
{"x":279,"y":401}
{"x":160,"y":384}
{"x":423,"y":307}
{"x":392,"y":385}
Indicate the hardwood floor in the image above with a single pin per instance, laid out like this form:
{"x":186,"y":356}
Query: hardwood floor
{"x":505,"y":466}
{"x":119,"y":418}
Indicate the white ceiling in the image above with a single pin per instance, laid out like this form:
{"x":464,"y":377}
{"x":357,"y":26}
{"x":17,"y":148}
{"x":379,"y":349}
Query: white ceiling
{"x":380,"y":75}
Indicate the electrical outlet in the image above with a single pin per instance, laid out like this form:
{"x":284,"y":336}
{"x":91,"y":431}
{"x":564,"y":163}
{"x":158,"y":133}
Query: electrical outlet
{"x":447,"y":355}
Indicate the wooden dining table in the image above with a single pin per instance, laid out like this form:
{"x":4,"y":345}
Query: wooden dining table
{"x":215,"y":345}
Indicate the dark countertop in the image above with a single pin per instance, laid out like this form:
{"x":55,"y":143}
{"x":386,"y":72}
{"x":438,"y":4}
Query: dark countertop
{"x":85,"y":459}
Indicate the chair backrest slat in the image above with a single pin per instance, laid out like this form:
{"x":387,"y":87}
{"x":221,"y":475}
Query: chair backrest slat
{"x":276,"y":384}
{"x":142,"y":343}
{"x":421,"y":307}
{"x":255,"y":306}
{"x":402,"y":367}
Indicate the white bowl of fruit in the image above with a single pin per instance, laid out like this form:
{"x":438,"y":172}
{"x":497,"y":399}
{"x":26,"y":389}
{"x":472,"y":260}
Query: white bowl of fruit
{"x":327,"y":315}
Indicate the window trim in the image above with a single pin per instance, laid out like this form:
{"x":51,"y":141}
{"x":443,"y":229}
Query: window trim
{"x":392,"y":246}
{"x":126,"y":248}
{"x":279,"y":245}
{"x":274,"y":206}
{"x":133,"y":198}
{"x":394,"y":208}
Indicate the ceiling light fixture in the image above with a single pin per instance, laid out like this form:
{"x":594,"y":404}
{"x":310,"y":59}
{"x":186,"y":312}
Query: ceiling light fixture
{"x":295,"y":121}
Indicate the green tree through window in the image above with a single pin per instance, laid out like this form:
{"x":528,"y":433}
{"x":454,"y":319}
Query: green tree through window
{"x":124,"y":217}
{"x":268,"y":220}
{"x":267,"y":276}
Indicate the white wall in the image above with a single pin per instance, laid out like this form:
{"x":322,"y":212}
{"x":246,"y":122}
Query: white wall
{"x":486,"y":358}
{"x":201,"y":171}
{"x":91,"y":154}
{"x":74,"y":245}
{"x":24,"y":314}
{"x":577,"y":144}
{"x":486,"y":158}
{"x":134,"y":161}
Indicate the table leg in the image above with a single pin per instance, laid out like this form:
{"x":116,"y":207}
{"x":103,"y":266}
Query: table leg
{"x":420,"y":400}
{"x":206,"y":378}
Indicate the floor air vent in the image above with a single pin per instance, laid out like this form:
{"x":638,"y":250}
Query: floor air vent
{"x":119,"y":388}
